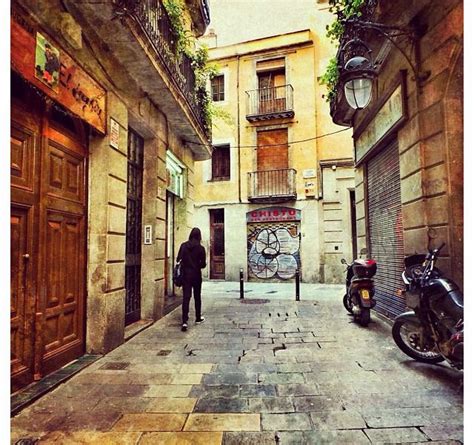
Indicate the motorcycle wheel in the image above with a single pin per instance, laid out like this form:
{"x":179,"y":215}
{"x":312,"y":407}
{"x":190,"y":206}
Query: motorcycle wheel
{"x":346,"y":301}
{"x":364,"y":317}
{"x":406,"y":337}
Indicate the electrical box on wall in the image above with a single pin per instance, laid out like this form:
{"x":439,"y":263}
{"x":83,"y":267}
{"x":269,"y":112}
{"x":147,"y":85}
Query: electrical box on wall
{"x":310,"y":188}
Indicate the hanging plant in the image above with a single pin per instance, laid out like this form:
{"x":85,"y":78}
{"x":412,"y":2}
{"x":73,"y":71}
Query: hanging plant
{"x":343,"y":10}
{"x":184,"y":37}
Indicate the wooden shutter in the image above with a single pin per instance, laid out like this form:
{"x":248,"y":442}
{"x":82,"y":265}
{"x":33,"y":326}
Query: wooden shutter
{"x":221,"y":162}
{"x":272,"y":151}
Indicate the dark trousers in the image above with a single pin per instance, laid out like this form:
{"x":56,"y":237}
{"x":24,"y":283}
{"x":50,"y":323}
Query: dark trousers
{"x":195,"y":287}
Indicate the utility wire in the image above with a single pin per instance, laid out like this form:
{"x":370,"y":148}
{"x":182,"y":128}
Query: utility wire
{"x":278,"y":145}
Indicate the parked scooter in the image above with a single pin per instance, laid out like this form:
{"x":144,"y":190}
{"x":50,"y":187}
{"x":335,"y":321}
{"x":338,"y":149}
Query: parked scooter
{"x":359,"y":296}
{"x":434,"y":330}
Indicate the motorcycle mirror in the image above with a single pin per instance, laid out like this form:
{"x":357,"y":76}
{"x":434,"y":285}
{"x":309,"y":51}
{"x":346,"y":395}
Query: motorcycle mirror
{"x":363,"y":251}
{"x":343,"y":261}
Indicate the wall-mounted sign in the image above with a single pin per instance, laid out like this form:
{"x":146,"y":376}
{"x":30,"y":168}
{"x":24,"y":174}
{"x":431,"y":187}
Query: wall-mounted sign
{"x":274,"y":214}
{"x":36,"y":57}
{"x":309,"y":173}
{"x":114,"y":136}
{"x":391,"y":113}
{"x":147,"y":234}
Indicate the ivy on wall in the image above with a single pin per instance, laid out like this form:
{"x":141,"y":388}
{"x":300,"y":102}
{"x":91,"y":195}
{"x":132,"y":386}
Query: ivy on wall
{"x":186,"y":44}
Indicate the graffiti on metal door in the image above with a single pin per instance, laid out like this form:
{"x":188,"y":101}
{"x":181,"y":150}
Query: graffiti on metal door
{"x":273,"y":250}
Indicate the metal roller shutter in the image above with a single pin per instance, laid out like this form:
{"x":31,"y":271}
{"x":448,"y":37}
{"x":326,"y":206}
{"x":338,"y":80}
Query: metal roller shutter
{"x":386,"y":229}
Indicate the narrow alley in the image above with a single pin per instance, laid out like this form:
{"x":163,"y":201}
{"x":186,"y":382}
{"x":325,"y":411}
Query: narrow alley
{"x":262,"y":370}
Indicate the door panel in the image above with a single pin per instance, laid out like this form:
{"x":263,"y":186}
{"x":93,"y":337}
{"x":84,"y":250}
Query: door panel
{"x":21,"y":345}
{"x":22,"y":143}
{"x":217,"y":253}
{"x":272,"y":151}
{"x":64,"y":241}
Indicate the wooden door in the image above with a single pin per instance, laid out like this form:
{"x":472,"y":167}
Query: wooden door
{"x":63,"y":210}
{"x":272,"y":162}
{"x":217,"y":244}
{"x":25,"y":138}
{"x":48,"y":238}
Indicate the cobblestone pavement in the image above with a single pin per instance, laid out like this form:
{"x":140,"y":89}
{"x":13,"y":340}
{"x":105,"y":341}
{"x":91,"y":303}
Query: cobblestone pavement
{"x":263,"y":372}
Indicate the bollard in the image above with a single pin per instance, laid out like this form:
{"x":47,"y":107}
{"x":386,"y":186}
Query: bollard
{"x":297,"y":284}
{"x":241,"y":283}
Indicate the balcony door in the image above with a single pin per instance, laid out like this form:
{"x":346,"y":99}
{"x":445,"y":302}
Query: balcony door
{"x":271,"y":85}
{"x":272,"y":162}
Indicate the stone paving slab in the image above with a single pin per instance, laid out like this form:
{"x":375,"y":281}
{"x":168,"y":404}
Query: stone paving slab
{"x":252,"y":374}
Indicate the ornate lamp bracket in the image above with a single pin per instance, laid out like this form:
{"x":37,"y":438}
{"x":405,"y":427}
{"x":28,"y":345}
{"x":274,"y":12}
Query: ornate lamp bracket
{"x":391,"y":33}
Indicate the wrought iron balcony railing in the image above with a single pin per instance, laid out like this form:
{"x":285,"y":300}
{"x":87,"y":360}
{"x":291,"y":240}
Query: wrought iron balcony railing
{"x":153,"y":19}
{"x":270,"y":103}
{"x":272,"y":185}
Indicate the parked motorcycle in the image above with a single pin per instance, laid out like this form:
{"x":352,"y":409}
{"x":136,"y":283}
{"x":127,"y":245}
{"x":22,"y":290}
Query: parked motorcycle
{"x":359,"y":296}
{"x":433,"y":331}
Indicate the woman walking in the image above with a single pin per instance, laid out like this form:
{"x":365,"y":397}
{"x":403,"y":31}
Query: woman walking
{"x":193,"y":258}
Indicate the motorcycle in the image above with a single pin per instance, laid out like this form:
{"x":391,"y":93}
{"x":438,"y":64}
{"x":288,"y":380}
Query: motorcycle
{"x":433,"y":331}
{"x":359,"y":296}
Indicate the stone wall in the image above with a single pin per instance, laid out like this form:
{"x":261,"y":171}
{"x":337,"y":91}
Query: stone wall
{"x":430,"y":142}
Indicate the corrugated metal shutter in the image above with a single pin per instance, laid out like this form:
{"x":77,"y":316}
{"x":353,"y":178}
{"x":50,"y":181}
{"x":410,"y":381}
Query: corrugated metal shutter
{"x":386,"y":229}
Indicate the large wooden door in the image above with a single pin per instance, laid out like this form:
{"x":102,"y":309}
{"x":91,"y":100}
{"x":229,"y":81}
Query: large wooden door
{"x":272,"y":162}
{"x":24,"y":146}
{"x":48,"y":239}
{"x":217,"y":244}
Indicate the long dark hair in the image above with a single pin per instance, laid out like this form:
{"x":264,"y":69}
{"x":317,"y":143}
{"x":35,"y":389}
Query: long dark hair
{"x":195,"y":236}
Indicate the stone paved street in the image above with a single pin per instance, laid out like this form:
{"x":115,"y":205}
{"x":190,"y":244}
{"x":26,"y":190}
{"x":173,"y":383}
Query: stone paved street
{"x":272,"y":372}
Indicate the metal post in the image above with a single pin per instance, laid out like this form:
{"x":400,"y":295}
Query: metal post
{"x":297,"y":283}
{"x":241,"y":283}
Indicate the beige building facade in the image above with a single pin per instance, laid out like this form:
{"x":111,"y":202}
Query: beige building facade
{"x":276,"y":195}
{"x":105,"y":134}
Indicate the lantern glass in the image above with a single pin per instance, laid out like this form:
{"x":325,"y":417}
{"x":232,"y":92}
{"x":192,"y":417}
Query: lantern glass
{"x":358,"y":92}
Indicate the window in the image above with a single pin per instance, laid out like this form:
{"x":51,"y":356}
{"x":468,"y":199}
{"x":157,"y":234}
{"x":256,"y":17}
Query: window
{"x":221,"y":163}
{"x":217,"y":88}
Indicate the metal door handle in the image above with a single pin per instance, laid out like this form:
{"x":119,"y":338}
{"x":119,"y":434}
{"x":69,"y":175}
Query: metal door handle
{"x":26,"y":256}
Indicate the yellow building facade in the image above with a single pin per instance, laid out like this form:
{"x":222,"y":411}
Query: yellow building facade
{"x":276,"y":195}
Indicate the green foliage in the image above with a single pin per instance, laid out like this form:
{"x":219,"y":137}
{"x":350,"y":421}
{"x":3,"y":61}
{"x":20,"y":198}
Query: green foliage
{"x":199,"y":55}
{"x":204,"y":71}
{"x":330,"y":79}
{"x":184,"y":38}
{"x":343,"y":10}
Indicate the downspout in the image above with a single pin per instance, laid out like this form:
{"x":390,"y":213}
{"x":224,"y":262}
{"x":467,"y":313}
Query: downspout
{"x":238,"y":129}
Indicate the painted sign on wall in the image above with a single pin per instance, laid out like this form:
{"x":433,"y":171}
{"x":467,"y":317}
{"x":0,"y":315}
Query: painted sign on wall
{"x":274,"y":214}
{"x":50,"y":69}
{"x":273,"y":243}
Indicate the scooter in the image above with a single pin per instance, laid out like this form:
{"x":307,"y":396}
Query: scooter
{"x":433,"y":331}
{"x":359,"y":297}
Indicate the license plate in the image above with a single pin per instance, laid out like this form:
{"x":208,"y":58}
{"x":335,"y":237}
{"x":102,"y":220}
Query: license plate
{"x":364,"y":293}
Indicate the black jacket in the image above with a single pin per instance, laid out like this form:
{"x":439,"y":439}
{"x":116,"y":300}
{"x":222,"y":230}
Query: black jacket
{"x":193,"y":259}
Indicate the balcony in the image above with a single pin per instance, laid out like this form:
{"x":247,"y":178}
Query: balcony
{"x":272,"y":185}
{"x":270,"y":103}
{"x":139,"y":35}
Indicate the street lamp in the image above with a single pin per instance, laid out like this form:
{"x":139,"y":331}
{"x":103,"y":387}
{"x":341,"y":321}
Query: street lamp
{"x":356,"y":67}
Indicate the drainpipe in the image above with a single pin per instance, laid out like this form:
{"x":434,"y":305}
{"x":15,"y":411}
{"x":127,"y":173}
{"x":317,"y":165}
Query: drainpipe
{"x":238,"y":128}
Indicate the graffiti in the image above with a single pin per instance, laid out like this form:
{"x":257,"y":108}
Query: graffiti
{"x":273,"y":251}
